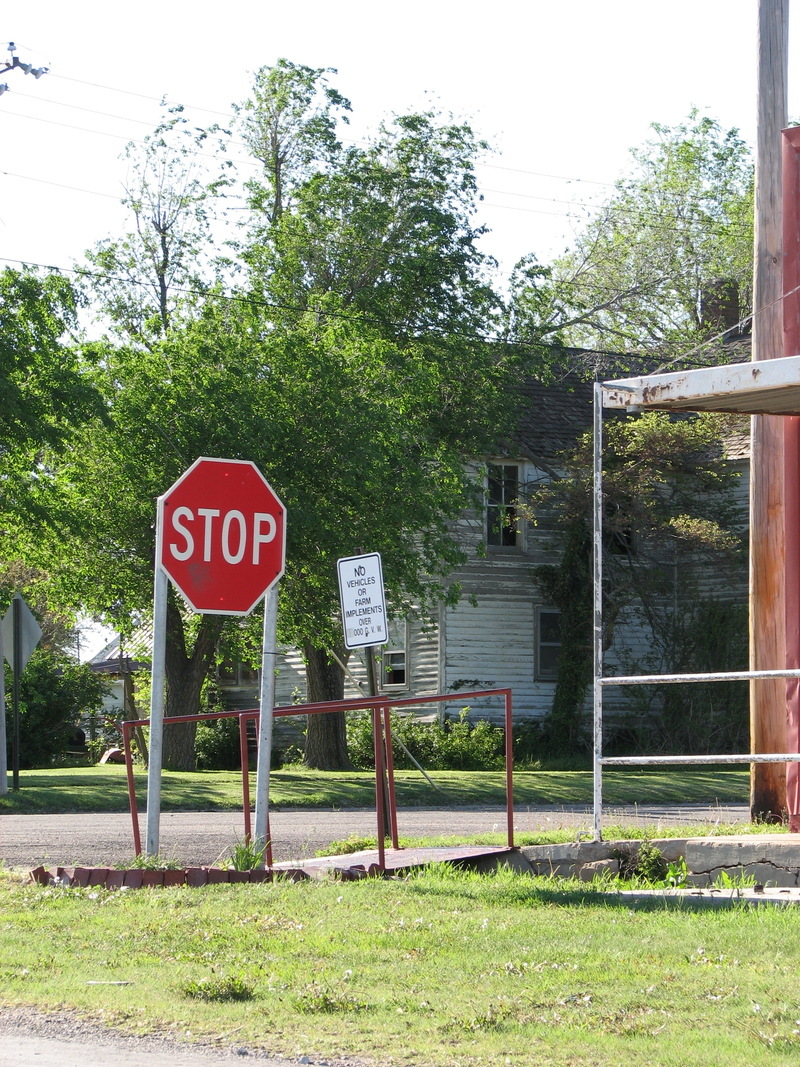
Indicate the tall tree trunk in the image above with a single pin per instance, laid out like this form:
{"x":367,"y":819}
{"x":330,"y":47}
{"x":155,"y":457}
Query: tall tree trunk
{"x":326,"y":738}
{"x":185,"y":677}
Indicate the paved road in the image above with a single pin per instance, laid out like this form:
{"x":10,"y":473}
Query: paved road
{"x":201,"y":838}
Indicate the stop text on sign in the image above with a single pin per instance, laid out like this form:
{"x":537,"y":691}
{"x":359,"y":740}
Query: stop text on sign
{"x":236,"y":529}
{"x":221,"y":536}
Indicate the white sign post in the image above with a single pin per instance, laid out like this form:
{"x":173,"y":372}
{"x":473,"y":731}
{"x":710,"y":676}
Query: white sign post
{"x":363,"y":601}
{"x":221,"y":540}
{"x":19,"y":635}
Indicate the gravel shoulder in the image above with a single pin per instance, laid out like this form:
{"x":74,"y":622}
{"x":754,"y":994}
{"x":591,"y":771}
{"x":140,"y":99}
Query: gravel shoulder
{"x":30,"y":1038}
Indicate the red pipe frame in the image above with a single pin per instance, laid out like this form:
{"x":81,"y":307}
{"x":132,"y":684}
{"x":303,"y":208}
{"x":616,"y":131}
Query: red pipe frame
{"x":382,"y":734}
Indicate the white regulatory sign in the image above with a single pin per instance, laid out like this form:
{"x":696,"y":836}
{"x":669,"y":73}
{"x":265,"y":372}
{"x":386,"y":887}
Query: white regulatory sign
{"x":363,"y":601}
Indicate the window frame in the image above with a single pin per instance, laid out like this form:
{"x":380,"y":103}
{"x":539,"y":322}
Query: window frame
{"x":548,"y":674}
{"x":397,"y":645}
{"x":507,"y":503}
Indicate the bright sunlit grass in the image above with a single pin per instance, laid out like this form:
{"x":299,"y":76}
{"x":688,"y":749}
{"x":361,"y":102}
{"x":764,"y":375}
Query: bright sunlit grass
{"x":441,"y":968}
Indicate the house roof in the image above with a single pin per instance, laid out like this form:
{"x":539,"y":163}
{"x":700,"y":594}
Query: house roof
{"x":557,"y":412}
{"x":554,"y":416}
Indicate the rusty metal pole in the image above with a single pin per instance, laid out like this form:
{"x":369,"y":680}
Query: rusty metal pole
{"x":767,"y":621}
{"x":791,"y":347}
{"x":372,"y":682}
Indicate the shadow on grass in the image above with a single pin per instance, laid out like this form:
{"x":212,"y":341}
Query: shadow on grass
{"x":104,"y":789}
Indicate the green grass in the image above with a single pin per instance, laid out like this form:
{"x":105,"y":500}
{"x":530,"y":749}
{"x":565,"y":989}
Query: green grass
{"x":104,"y":789}
{"x":442,"y":968}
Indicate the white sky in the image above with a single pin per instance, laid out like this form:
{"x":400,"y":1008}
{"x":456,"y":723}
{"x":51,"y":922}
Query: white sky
{"x":562,"y":88}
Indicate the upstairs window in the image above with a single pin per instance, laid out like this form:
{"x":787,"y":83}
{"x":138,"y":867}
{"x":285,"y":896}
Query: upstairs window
{"x":394,"y":670}
{"x":502,"y":494}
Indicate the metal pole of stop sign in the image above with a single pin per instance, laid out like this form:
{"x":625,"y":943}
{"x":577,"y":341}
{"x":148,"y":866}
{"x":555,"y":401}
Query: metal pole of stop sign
{"x":157,"y":680}
{"x":269,"y":657}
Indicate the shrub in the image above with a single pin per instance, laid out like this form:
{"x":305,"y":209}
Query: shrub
{"x":55,"y":694}
{"x":217,"y":745}
{"x":449,"y":745}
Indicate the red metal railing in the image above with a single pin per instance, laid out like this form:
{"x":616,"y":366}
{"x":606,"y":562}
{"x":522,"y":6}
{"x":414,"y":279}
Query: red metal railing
{"x":380,"y":706}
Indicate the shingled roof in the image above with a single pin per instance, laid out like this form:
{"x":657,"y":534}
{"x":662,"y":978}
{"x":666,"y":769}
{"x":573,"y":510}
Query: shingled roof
{"x":557,"y":411}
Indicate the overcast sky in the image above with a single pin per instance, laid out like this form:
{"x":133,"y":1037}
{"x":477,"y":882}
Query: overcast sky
{"x":561,"y":89}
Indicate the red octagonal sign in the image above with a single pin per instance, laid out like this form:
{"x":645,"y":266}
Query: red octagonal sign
{"x":222,"y":536}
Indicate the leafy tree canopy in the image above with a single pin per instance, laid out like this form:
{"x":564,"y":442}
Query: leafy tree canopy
{"x":345,"y":362}
{"x":45,"y":391}
{"x":667,"y":260}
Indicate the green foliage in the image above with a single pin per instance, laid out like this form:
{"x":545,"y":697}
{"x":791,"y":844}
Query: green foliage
{"x":341,"y":359}
{"x":671,"y":247}
{"x":217,"y":988}
{"x":145,"y":281}
{"x":217,"y":745}
{"x":144,"y":862}
{"x":289,"y":125}
{"x":650,"y":863}
{"x":55,"y":694}
{"x":696,"y":717}
{"x":642,"y":861}
{"x":668,"y":499}
{"x":246,"y":856}
{"x":348,"y":846}
{"x":45,"y":390}
{"x":742,"y":880}
{"x":440,"y":745}
{"x":677,"y":874}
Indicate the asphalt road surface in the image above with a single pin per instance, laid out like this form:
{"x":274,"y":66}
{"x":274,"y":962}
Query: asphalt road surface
{"x":203,"y":838}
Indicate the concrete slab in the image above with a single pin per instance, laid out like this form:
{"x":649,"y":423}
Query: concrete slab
{"x":771,"y":860}
{"x":399,"y":859}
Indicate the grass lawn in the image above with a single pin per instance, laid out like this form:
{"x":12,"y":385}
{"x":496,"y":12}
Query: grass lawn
{"x":443,"y":968}
{"x":104,"y":789}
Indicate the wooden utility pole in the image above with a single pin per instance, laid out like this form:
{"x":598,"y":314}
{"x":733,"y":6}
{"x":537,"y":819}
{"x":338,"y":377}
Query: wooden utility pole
{"x":767,"y":542}
{"x":791,"y":450}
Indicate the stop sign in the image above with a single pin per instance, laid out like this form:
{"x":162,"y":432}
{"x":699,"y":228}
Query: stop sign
{"x":221,"y":536}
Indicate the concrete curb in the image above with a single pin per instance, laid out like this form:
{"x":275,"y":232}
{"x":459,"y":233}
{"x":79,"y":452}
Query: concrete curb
{"x":770,"y":859}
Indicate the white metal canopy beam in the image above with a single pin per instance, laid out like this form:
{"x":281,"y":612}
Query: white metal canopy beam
{"x":763,"y":387}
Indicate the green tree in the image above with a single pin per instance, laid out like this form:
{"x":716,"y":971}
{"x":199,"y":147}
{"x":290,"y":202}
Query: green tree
{"x":366,"y":257}
{"x":663,"y":266}
{"x":55,"y":694}
{"x":665,"y":263}
{"x":667,"y":498}
{"x":45,"y":390}
{"x":345,"y":364}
